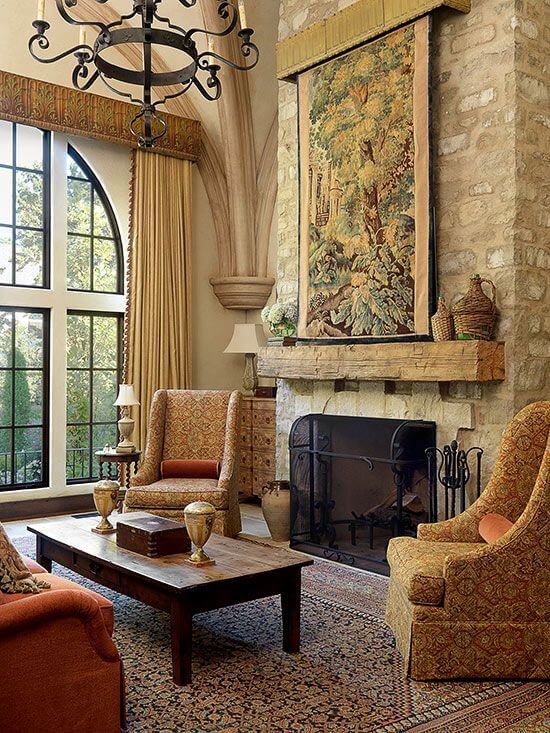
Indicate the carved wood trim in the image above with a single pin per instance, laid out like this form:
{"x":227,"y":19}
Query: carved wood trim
{"x":59,"y":108}
{"x":356,"y":24}
{"x":425,"y":361}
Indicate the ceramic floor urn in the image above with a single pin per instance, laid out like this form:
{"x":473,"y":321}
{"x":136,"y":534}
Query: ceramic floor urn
{"x":276,"y":509}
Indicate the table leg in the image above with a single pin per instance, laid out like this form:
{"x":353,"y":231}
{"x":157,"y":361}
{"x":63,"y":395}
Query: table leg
{"x":182,"y":642}
{"x":290,"y":604}
{"x":41,"y":559}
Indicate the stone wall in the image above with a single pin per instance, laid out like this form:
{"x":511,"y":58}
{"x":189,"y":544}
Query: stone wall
{"x":491,"y":159}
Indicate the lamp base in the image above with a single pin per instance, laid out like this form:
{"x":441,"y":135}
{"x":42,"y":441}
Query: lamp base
{"x":125,"y":447}
{"x":125,"y":428}
{"x":250,"y":379}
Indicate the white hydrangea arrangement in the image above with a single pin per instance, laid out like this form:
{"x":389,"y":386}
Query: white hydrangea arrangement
{"x":281,"y":318}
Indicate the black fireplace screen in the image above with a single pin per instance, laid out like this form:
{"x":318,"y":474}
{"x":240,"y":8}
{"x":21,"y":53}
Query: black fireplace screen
{"x":355,"y":483}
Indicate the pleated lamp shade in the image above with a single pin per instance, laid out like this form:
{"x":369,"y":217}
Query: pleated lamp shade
{"x":247,"y":338}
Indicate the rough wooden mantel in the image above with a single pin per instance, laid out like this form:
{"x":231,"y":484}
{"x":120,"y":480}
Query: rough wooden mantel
{"x":426,"y":361}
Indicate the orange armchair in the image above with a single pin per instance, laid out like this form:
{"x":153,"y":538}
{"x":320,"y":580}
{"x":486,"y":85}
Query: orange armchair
{"x":460,"y":608}
{"x":60,"y":669}
{"x":188,"y":424}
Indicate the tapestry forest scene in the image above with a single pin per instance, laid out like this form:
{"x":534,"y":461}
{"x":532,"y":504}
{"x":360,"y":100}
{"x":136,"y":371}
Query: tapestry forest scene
{"x":359,"y":208}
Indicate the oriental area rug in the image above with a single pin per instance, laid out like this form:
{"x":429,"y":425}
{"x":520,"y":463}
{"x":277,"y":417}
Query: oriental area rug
{"x":348,"y":677}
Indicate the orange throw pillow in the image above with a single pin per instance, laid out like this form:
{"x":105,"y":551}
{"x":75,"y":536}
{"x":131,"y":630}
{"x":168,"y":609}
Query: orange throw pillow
{"x":493,"y":526}
{"x":190,"y":469}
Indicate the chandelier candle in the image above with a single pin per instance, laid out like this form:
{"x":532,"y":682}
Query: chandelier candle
{"x":144,"y":25}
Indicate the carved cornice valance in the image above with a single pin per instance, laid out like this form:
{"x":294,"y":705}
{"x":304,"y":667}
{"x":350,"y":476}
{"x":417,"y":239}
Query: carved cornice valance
{"x":356,"y":24}
{"x":58,"y":108}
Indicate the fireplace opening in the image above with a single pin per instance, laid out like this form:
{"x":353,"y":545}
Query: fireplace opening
{"x":355,"y":483}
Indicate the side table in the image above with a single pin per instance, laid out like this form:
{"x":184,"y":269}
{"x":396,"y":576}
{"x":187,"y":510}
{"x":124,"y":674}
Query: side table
{"x":124,"y":462}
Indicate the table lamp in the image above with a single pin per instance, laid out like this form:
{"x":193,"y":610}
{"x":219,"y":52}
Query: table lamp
{"x":247,"y":339}
{"x":126,"y":399}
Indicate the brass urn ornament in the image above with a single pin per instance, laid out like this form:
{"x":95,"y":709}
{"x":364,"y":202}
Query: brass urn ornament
{"x":106,"y":495}
{"x":199,"y":520}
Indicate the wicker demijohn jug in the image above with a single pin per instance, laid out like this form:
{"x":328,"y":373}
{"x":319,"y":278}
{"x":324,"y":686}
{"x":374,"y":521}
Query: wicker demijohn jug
{"x":475,"y":314}
{"x":442,"y":322}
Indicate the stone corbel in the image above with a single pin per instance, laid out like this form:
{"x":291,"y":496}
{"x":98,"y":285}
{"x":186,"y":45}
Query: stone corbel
{"x":242,"y":293}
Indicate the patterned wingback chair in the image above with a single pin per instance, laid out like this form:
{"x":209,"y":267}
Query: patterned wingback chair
{"x":185,"y":424}
{"x":460,"y":608}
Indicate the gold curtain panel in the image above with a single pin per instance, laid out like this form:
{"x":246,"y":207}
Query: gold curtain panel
{"x":356,"y":24}
{"x":59,"y":108}
{"x":158,"y":324}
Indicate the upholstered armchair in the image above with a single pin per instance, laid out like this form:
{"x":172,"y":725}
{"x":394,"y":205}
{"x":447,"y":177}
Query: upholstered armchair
{"x":60,"y":670}
{"x":460,"y":608}
{"x":185,"y":424}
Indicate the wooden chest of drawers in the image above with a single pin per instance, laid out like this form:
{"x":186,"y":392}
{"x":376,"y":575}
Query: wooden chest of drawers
{"x":257,"y":465}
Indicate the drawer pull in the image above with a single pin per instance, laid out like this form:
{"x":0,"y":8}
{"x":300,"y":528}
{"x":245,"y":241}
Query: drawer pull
{"x":96,"y":568}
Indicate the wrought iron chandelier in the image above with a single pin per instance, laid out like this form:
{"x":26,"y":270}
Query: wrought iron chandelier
{"x":154,"y":30}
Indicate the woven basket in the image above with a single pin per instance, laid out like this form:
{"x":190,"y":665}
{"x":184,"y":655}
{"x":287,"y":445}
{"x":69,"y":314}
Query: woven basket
{"x":442,"y":322}
{"x":475,"y":315}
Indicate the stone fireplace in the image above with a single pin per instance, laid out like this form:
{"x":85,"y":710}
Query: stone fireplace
{"x":491,"y":199}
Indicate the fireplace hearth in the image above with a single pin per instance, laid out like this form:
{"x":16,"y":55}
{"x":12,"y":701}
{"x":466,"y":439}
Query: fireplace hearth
{"x":355,"y":483}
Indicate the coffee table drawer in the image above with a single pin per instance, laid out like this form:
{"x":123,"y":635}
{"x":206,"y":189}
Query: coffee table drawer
{"x":96,"y":570}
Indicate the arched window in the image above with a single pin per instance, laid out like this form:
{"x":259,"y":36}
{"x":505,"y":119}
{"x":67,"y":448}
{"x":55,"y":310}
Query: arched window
{"x":60,"y":336}
{"x":94,"y":250}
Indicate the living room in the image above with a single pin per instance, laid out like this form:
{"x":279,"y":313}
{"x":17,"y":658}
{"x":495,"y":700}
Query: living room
{"x":274,"y":366}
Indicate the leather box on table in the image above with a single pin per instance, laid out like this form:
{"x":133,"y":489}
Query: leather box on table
{"x":152,"y":536}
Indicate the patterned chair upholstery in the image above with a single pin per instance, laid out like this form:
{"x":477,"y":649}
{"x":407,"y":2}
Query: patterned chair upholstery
{"x":185,"y":424}
{"x":460,"y":608}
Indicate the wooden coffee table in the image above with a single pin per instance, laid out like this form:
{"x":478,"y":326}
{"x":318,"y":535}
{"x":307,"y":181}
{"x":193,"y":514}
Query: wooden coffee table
{"x":243,"y":572}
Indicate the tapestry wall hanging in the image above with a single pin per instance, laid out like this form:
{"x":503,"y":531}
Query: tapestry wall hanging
{"x":365,"y":225}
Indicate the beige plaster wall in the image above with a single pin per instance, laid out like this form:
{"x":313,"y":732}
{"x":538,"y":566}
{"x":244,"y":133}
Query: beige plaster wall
{"x":490,"y":135}
{"x":212,"y":324}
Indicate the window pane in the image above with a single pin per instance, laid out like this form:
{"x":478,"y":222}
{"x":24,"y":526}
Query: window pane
{"x":5,"y":255}
{"x":30,"y":203}
{"x":102,"y":227}
{"x":105,"y":342}
{"x":105,"y":392}
{"x":29,"y":340}
{"x":6,"y":196}
{"x":28,"y":398}
{"x":30,"y":150}
{"x":22,"y":397}
{"x":6,"y":143}
{"x":78,"y":341}
{"x":6,"y":320}
{"x":78,"y":263}
{"x":103,"y":435}
{"x":29,"y":249}
{"x":79,"y":207}
{"x":28,"y":455}
{"x":78,"y":452}
{"x":6,"y":383}
{"x":5,"y":457}
{"x":78,"y":396}
{"x":105,"y":266}
{"x":73,"y":169}
{"x":92,"y":385}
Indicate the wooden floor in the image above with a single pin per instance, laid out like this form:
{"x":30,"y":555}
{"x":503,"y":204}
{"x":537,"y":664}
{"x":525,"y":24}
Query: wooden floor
{"x":254,"y":526}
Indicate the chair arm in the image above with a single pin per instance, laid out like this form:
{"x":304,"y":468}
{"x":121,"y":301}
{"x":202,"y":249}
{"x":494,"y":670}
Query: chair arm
{"x":58,"y":606}
{"x":147,"y":474}
{"x":451,"y":530}
{"x":228,"y":473}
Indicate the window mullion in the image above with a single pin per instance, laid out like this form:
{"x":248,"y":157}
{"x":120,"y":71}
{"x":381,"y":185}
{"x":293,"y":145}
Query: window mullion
{"x":58,"y":382}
